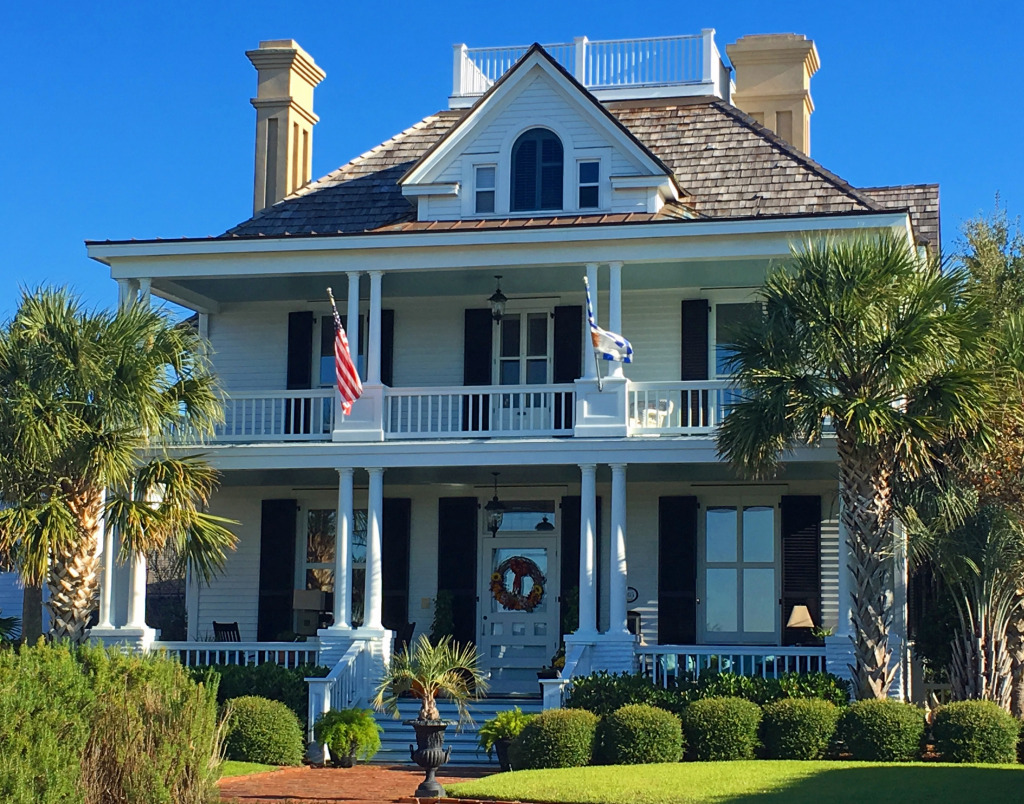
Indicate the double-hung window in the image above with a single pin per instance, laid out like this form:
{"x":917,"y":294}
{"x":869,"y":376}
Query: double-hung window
{"x":589,"y":183}
{"x":484,"y":184}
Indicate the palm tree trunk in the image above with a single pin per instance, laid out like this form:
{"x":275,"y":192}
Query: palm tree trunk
{"x":866,"y":492}
{"x":1015,"y":635}
{"x":74,"y":576}
{"x":31,"y":614}
{"x":982,"y":664}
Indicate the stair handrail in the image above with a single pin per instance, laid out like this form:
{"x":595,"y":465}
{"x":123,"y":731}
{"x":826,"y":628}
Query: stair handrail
{"x":340,"y":688}
{"x":553,"y":689}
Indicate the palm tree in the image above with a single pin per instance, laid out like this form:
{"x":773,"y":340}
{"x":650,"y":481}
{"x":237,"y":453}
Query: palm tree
{"x":86,"y":399}
{"x":890,"y":350}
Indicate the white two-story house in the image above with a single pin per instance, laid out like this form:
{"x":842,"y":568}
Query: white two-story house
{"x":492,"y":472}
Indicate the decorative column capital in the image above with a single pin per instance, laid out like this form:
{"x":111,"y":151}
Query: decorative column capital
{"x":588,"y":468}
{"x":375,"y":274}
{"x":373,"y":471}
{"x":617,"y":467}
{"x":345,"y":471}
{"x":616,"y":265}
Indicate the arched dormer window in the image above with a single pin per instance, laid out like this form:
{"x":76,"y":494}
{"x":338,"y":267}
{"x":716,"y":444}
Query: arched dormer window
{"x":537,"y":158}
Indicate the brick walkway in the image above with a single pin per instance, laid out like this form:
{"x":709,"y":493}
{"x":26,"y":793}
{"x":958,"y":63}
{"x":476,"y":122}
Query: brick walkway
{"x":363,"y":784}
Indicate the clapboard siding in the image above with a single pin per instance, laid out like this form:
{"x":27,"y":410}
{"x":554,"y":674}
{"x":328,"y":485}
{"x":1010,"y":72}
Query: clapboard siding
{"x":10,"y":595}
{"x":250,"y":346}
{"x":829,"y":567}
{"x":650,"y":320}
{"x":428,"y":339}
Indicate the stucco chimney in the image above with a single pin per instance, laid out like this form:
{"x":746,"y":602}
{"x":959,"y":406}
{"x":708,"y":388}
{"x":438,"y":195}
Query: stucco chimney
{"x":773,"y":83}
{"x":284,"y":119}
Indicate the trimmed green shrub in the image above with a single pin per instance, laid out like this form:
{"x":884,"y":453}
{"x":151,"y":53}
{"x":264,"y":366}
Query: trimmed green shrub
{"x":84,"y":726}
{"x":1020,"y":743}
{"x":267,"y":680}
{"x":557,"y":738}
{"x":975,"y":731}
{"x":820,"y":686}
{"x":638,"y":734}
{"x":722,"y":728}
{"x":797,"y":728}
{"x":602,"y":693}
{"x":882,"y":730}
{"x":265,"y":731}
{"x":761,"y":691}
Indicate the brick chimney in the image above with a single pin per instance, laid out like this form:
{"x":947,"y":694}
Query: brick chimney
{"x":284,"y":119}
{"x":773,"y":83}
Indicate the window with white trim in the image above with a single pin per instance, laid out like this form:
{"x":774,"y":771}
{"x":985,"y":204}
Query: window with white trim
{"x":589,"y":175}
{"x":537,"y":171}
{"x":484,"y":184}
{"x":318,"y":562}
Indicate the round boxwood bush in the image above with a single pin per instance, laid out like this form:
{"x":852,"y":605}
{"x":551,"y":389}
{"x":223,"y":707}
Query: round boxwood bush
{"x":722,"y":728}
{"x":557,"y":738}
{"x":975,"y":731}
{"x":797,"y":728}
{"x":265,"y":731}
{"x":637,"y":734}
{"x":881,"y":730}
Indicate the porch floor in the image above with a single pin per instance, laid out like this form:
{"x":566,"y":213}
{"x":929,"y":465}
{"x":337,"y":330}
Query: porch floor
{"x":363,"y":784}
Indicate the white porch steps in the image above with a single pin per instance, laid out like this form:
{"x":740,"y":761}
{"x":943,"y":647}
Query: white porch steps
{"x":398,"y":736}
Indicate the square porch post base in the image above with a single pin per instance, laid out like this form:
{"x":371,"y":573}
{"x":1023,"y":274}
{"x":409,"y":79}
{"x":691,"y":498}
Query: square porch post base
{"x":614,"y":653}
{"x":601,"y":413}
{"x":366,"y":421}
{"x":132,"y":637}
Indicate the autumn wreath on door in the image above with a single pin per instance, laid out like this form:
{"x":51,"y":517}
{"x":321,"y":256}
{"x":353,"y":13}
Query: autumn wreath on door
{"x":512,"y":597}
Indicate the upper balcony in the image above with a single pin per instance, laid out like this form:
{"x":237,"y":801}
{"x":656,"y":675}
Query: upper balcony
{"x":611,"y":69}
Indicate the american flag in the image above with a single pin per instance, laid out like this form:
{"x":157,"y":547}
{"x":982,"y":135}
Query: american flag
{"x":607,"y":344}
{"x":349,"y":385}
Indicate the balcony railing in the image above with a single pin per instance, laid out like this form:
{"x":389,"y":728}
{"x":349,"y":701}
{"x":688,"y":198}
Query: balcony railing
{"x":479,"y":411}
{"x":682,"y":408}
{"x":666,"y":664}
{"x":278,"y":416}
{"x":686,"y":64}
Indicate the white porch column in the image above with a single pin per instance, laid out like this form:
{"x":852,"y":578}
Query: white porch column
{"x":145,"y":291}
{"x":373,"y":350}
{"x":615,"y":308}
{"x":589,"y":365}
{"x":352,"y":316}
{"x":107,"y":581}
{"x":588,"y":555}
{"x":374,"y":592}
{"x":617,"y":564}
{"x":342,"y":563}
{"x":127,"y":292}
{"x":137,"y":592}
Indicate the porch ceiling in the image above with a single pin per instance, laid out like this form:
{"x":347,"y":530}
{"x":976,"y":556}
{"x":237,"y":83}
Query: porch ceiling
{"x":455,"y":479}
{"x":516,"y":282}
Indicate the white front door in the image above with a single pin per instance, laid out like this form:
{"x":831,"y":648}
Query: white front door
{"x":519,"y":628}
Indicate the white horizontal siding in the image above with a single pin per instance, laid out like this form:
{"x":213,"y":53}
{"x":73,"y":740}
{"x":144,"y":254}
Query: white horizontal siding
{"x":651,"y":322}
{"x":10,"y":595}
{"x":250,"y":346}
{"x":429,"y":336}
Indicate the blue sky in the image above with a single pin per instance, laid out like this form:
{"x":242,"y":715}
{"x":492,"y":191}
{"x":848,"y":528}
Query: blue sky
{"x":132,"y":119}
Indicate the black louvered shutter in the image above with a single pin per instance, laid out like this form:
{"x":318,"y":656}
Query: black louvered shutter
{"x":695,"y":360}
{"x":801,"y":561}
{"x":476,"y":367}
{"x":568,"y":356}
{"x":299,"y":371}
{"x":569,"y":598}
{"x":387,"y":347}
{"x":677,"y":570}
{"x":524,"y":175}
{"x":457,"y":523}
{"x":551,"y":173}
{"x":396,"y":521}
{"x":277,"y":569}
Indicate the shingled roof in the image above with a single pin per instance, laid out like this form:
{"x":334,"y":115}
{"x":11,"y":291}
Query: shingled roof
{"x":729,"y":164}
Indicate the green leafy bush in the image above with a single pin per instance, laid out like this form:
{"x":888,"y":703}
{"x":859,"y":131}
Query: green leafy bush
{"x":505,"y":725}
{"x":882,"y":731}
{"x":722,"y":728}
{"x":267,"y":680}
{"x":265,"y":731}
{"x":602,"y":693}
{"x":821,"y":686}
{"x":975,"y":731}
{"x":797,"y":728}
{"x":638,"y":734}
{"x":87,"y":726}
{"x":349,"y":732}
{"x":557,"y":738}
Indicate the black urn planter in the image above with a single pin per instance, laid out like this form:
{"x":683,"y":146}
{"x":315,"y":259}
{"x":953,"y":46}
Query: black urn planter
{"x":346,"y":760}
{"x":430,"y":754}
{"x":501,"y":748}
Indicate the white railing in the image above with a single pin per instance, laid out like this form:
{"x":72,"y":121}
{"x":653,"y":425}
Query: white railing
{"x":608,"y":64}
{"x":473,"y":412}
{"x":688,"y":408}
{"x":278,"y":416}
{"x":577,"y":663}
{"x":342,"y":688}
{"x":665,"y":664}
{"x":286,"y":654}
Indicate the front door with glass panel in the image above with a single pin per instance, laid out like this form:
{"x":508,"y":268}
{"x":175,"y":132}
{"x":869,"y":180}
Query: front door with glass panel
{"x":739,"y":580}
{"x":519,"y":610}
{"x":523,"y":357}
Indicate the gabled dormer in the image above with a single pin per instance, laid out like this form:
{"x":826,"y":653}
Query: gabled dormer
{"x":537,"y":144}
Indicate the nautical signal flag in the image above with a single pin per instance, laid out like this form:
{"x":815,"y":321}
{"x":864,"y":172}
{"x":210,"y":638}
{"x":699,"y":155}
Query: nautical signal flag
{"x":349,"y":385}
{"x":607,"y":345}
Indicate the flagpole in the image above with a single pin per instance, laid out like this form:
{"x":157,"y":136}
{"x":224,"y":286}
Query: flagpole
{"x":597,"y":363}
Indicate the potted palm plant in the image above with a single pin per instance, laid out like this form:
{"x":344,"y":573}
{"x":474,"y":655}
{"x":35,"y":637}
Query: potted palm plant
{"x":426,"y":672}
{"x":350,"y":734}
{"x":498,"y":733}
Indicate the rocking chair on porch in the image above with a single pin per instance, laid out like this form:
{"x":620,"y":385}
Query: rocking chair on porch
{"x":226,"y":632}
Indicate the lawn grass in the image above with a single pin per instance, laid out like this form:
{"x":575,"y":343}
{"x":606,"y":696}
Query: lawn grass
{"x":758,"y":780}
{"x":231,"y":768}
